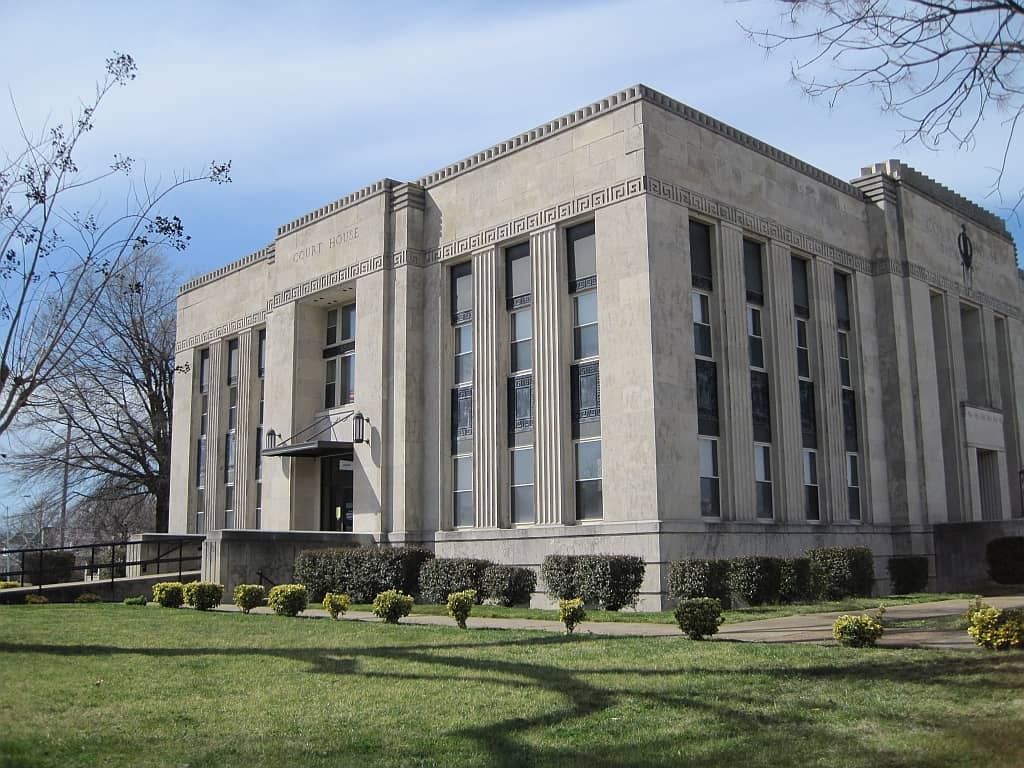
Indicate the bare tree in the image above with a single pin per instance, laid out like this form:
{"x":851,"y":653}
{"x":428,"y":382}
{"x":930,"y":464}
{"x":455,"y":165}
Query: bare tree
{"x":112,"y":511}
{"x":60,"y":250}
{"x":105,"y":417}
{"x":942,"y":66}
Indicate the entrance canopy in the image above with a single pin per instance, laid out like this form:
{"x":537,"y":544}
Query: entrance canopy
{"x":311,"y":449}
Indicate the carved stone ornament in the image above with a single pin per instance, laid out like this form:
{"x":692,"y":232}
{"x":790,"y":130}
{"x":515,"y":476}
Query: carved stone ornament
{"x":966,"y":248}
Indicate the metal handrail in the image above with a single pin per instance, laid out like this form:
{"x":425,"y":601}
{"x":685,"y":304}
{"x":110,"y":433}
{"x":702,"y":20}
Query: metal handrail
{"x":114,"y":564}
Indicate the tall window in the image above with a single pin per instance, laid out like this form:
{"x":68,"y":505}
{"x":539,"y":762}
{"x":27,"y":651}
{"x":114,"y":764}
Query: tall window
{"x":763,"y":480}
{"x":585,"y":374}
{"x":808,"y":413}
{"x":760,"y":401}
{"x":231,"y":437}
{"x":847,"y":394}
{"x":702,"y":279}
{"x":340,"y":357}
{"x":201,"y":442}
{"x":461,"y":300}
{"x":261,"y":360}
{"x":519,"y":303}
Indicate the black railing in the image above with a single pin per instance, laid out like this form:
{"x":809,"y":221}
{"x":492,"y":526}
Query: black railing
{"x":52,"y":569}
{"x":265,"y":581}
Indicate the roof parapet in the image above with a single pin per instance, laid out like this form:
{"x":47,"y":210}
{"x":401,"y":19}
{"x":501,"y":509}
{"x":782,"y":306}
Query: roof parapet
{"x":265,"y":253}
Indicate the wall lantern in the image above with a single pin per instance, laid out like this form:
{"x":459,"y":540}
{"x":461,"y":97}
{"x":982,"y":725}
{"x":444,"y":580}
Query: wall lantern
{"x":359,"y":423}
{"x":271,"y":439}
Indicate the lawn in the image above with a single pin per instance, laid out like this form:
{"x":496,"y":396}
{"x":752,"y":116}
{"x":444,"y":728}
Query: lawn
{"x":112,"y":685}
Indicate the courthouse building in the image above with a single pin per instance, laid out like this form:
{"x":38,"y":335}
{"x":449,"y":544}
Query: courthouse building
{"x":633,"y":329}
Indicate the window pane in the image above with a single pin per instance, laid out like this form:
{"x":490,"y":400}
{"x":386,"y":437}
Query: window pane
{"x":700,"y":254}
{"x":844,"y":371}
{"x":701,"y":312}
{"x":522,"y":325}
{"x":588,"y":460}
{"x":801,"y":333}
{"x":852,"y":471}
{"x":707,"y":397}
{"x":753,"y":321}
{"x":811,"y":502}
{"x":347,"y":382}
{"x":463,"y":512}
{"x":801,"y":294}
{"x":708,"y":458}
{"x":462,"y":288}
{"x":585,"y":343}
{"x":582,"y":248}
{"x":517,"y":271}
{"x":261,"y":354}
{"x":522,"y":504}
{"x":522,"y":356}
{"x":332,"y":327}
{"x":586,"y":308}
{"x":464,"y":339}
{"x":524,"y":405}
{"x":522,"y":467}
{"x":464,"y":368}
{"x":329,"y":379}
{"x":348,"y":322}
{"x":853,"y":502}
{"x":702,"y":340}
{"x":752,"y":271}
{"x":589,"y":500}
{"x":762,"y":463}
{"x":709,"y":501}
{"x":463,"y":480}
{"x":756,"y":352}
{"x":763,"y":497}
{"x":842,"y":300}
{"x":810,"y":468}
{"x":232,"y":361}
{"x":204,"y":370}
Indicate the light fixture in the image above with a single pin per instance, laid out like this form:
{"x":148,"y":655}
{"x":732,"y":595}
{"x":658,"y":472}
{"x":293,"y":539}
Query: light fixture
{"x":359,"y":423}
{"x":271,"y":439}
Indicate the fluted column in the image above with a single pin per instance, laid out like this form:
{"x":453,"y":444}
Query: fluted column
{"x":551,"y":377}
{"x":734,"y":373}
{"x":245,"y":434}
{"x":215,"y":440}
{"x":785,"y":389}
{"x":488,"y":375}
{"x":828,"y":393}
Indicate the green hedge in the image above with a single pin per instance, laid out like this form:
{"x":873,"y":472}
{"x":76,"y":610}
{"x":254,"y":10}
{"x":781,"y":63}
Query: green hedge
{"x":755,"y":579}
{"x":700,"y":578}
{"x":508,"y":585}
{"x":443,"y":576}
{"x":360,"y":572}
{"x":1005,"y":559}
{"x":49,"y":567}
{"x":609,"y":581}
{"x":838,"y":572}
{"x":908,"y":574}
{"x":794,"y":580}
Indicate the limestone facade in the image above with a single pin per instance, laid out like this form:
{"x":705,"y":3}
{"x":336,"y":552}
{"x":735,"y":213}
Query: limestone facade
{"x":633,"y":329}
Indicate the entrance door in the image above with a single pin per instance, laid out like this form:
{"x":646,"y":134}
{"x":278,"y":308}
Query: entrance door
{"x":336,"y":493}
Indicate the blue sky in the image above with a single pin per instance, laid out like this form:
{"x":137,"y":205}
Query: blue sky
{"x":318,"y":99}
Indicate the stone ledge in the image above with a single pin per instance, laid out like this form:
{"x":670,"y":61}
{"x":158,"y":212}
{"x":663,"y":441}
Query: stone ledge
{"x":263,"y":254}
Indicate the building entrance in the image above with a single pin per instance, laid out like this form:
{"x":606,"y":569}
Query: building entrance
{"x":336,"y":493}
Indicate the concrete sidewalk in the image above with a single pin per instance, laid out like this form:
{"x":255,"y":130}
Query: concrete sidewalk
{"x":807,"y":628}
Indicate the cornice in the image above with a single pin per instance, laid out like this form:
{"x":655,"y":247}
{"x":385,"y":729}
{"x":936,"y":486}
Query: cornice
{"x":263,"y":254}
{"x":359,"y":196}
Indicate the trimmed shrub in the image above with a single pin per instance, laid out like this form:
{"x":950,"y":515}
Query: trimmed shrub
{"x":135,"y":600}
{"x":609,"y":581}
{"x":755,"y":579}
{"x":88,"y":597}
{"x":36,"y":599}
{"x":391,"y":605}
{"x":460,"y":604}
{"x":169,"y":594}
{"x":442,"y":576}
{"x":858,"y":631}
{"x":556,"y":572}
{"x":203,"y":595}
{"x":336,"y":605}
{"x":1005,"y":559}
{"x":700,"y":578}
{"x":288,"y":599}
{"x":794,"y":580}
{"x":360,"y":572}
{"x":571,"y":613}
{"x":9,"y":584}
{"x":508,"y":585}
{"x":49,"y":567}
{"x":249,"y":596}
{"x":908,"y":574}
{"x":699,"y":617}
{"x":838,"y":572}
{"x":993,"y":628}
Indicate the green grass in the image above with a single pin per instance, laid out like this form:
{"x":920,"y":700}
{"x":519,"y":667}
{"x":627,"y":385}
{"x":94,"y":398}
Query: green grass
{"x":111,"y":685}
{"x":666,"y":617}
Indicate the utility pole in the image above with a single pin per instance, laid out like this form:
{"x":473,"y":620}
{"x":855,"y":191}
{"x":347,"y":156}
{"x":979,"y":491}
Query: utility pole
{"x":64,"y":485}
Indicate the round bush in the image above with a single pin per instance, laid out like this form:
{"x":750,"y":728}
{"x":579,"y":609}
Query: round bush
{"x":169,"y":594}
{"x":857,"y":631}
{"x":249,"y":596}
{"x":460,"y":604}
{"x":699,"y":617}
{"x":995,"y":629}
{"x":288,"y":599}
{"x":508,"y":585}
{"x":391,"y":605}
{"x":336,"y":605}
{"x":203,"y":595}
{"x":88,"y":597}
{"x":137,"y":600}
{"x":571,"y":613}
{"x":34,"y":599}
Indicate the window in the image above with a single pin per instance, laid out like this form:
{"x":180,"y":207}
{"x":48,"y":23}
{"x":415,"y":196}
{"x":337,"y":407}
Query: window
{"x":850,"y":421}
{"x":808,"y":417}
{"x":463,"y":348}
{"x":462,"y":495}
{"x":518,"y":277}
{"x":588,"y":480}
{"x":763,"y":480}
{"x":201,"y":442}
{"x":586,"y":391}
{"x":260,"y":372}
{"x":521,"y":335}
{"x":701,"y":325}
{"x":843,"y":339}
{"x":803,"y":353}
{"x":461,"y":297}
{"x":754,"y":338}
{"x":462,"y":293}
{"x":231,"y":436}
{"x":521,"y":471}
{"x":811,"y":485}
{"x":760,"y":407}
{"x":700,"y":256}
{"x":709,"y":479}
{"x":520,"y":404}
{"x":707,"y":397}
{"x":261,"y":352}
{"x":853,"y":485}
{"x":753,"y":272}
{"x":842,"y":290}
{"x":340,"y":357}
{"x":232,"y":362}
{"x":801,"y":289}
{"x":582,"y":247}
{"x":585,"y":341}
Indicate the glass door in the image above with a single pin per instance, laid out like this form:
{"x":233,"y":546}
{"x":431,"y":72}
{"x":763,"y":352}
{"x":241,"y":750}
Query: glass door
{"x":336,"y":493}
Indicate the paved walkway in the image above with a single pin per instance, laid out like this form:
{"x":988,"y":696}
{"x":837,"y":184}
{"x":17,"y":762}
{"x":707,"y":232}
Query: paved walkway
{"x":808,"y":628}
